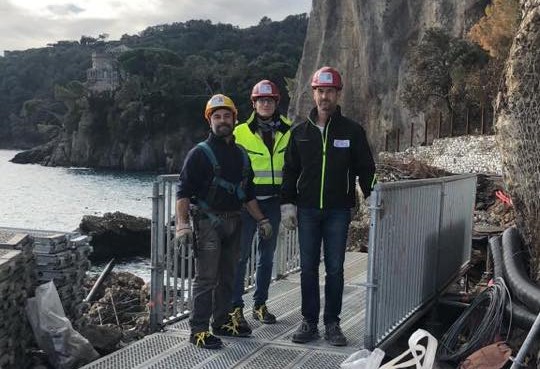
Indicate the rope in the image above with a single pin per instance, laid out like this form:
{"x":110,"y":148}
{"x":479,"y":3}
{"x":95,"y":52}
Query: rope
{"x":467,"y":335}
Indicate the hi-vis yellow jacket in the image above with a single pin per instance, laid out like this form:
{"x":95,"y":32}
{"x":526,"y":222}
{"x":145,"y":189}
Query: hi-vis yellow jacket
{"x":267,"y":166}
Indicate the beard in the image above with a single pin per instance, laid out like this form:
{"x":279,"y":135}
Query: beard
{"x":223,"y":130}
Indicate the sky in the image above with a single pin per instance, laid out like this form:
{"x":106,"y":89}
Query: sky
{"x":35,"y":23}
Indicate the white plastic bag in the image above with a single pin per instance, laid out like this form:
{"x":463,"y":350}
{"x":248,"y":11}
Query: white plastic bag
{"x":364,"y":359}
{"x":65,"y":347}
{"x":423,"y":357}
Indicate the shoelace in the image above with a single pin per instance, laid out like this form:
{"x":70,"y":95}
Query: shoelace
{"x":200,"y":337}
{"x":238,"y":314}
{"x":232,"y":326}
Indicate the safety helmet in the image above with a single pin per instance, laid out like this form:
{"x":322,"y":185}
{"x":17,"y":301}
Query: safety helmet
{"x":265,"y":88}
{"x":327,"y":77}
{"x":219,"y":101}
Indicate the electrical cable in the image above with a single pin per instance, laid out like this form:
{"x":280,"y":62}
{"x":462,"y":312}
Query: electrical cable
{"x":467,"y":335}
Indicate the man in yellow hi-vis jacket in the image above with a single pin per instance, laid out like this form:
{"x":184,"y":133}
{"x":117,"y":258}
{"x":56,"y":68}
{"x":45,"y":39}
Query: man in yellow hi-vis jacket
{"x":265,"y":136}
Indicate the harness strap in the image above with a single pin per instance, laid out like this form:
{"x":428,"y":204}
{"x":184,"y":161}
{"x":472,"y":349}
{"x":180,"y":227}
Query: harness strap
{"x":218,"y":181}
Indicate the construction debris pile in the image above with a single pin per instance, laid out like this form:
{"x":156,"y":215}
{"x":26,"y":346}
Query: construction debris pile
{"x":16,"y":284}
{"x":63,"y":258}
{"x":119,"y":315}
{"x":27,"y":259}
{"x":456,"y":155}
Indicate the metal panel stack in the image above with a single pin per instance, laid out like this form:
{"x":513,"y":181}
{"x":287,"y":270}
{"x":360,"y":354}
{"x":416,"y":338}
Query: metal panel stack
{"x":63,"y":258}
{"x":16,"y":284}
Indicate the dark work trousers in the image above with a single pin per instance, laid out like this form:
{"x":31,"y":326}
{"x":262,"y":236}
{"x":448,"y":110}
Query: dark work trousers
{"x":329,"y":227}
{"x":215,"y":267}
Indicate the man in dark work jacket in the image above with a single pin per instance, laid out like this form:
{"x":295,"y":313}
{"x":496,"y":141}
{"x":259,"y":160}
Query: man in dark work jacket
{"x":215,"y":181}
{"x":325,"y":155}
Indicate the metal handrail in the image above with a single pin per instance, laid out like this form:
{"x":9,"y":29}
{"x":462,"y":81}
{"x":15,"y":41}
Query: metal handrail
{"x":172,"y":267}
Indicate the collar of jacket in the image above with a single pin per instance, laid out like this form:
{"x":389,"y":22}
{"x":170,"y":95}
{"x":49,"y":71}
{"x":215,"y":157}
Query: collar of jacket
{"x":252,"y":122}
{"x":336,"y":115}
{"x":220,"y":140}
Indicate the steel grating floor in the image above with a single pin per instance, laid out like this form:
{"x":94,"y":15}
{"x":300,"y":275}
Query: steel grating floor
{"x":269,"y":346}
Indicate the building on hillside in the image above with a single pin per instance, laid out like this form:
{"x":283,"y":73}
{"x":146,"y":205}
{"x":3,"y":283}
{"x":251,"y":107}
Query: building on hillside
{"x":105,"y":72}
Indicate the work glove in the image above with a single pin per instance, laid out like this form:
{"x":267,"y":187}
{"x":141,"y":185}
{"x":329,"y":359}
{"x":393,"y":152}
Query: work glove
{"x":288,"y":216}
{"x":183,"y":235}
{"x":264,"y":228}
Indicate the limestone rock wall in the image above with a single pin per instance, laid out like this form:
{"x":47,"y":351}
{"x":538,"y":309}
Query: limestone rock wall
{"x":368,"y":42}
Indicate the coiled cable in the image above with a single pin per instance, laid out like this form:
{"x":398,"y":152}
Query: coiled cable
{"x":469,"y":333}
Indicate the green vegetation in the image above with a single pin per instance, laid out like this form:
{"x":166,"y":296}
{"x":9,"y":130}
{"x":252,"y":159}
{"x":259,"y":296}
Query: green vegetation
{"x":168,"y":74}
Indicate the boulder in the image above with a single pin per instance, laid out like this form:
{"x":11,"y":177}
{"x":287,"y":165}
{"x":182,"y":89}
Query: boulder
{"x":117,"y":235}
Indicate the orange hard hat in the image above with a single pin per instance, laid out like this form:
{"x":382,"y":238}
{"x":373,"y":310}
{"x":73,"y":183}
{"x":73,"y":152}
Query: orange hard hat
{"x":219,"y":101}
{"x":327,"y":77}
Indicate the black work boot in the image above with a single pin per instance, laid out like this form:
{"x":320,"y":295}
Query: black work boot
{"x":333,"y":334}
{"x":232,"y":328}
{"x":238,"y":313}
{"x":306,"y":332}
{"x":262,"y":314}
{"x":205,"y":340}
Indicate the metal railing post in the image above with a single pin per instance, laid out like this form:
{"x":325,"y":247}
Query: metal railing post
{"x":156,"y":284}
{"x":371,"y":284}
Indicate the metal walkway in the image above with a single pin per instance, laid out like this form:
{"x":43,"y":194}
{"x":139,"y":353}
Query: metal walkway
{"x":269,"y":346}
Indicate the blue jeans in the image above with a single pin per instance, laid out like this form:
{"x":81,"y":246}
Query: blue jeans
{"x":265,"y":253}
{"x":329,"y":227}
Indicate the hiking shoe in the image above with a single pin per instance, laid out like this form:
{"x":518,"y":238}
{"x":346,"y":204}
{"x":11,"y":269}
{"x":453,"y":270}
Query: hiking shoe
{"x":306,"y":332}
{"x":238,"y":313}
{"x":205,"y":340}
{"x":262,"y":314}
{"x":334,"y":335}
{"x":232,"y":328}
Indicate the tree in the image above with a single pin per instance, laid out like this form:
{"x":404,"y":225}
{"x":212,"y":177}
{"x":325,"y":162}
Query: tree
{"x":518,"y":129}
{"x":495,"y":31}
{"x":440,"y":67}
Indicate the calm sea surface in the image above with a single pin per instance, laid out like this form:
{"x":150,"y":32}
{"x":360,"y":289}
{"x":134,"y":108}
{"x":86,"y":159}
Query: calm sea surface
{"x":37,"y":197}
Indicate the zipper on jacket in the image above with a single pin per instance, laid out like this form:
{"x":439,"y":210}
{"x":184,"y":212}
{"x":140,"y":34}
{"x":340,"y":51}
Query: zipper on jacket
{"x":324,"y":138}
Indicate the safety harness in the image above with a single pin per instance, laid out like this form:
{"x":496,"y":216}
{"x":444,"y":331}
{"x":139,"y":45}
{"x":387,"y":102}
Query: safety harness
{"x":219,"y":181}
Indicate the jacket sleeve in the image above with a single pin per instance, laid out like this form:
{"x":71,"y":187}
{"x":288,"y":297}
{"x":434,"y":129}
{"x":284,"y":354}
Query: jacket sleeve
{"x":190,"y":180}
{"x":291,"y":172}
{"x":364,"y":163}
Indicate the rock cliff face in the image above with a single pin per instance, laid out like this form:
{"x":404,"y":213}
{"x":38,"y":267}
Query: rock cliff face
{"x":367,"y":41}
{"x":92,"y":144}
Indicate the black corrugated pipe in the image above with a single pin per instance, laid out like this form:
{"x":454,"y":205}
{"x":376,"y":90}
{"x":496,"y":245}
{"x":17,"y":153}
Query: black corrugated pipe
{"x":520,"y":315}
{"x":514,"y":269}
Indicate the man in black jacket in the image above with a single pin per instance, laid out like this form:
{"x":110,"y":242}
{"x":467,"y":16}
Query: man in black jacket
{"x":325,"y":155}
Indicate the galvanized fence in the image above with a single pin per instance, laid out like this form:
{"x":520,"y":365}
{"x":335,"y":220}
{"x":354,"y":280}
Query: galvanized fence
{"x":173,"y":267}
{"x":419,"y":240}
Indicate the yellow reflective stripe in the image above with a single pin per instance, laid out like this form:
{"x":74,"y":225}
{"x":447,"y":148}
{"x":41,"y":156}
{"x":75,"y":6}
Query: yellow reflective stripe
{"x":323,"y":170}
{"x":374,"y":181}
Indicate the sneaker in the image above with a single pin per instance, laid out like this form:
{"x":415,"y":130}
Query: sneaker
{"x":232,"y":328}
{"x":238,"y":313}
{"x":262,"y":314}
{"x":306,"y":332}
{"x":334,"y":335}
{"x":205,"y":340}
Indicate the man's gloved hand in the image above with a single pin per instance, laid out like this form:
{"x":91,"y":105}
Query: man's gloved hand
{"x":288,"y":216}
{"x":184,"y":234}
{"x":264,"y":228}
